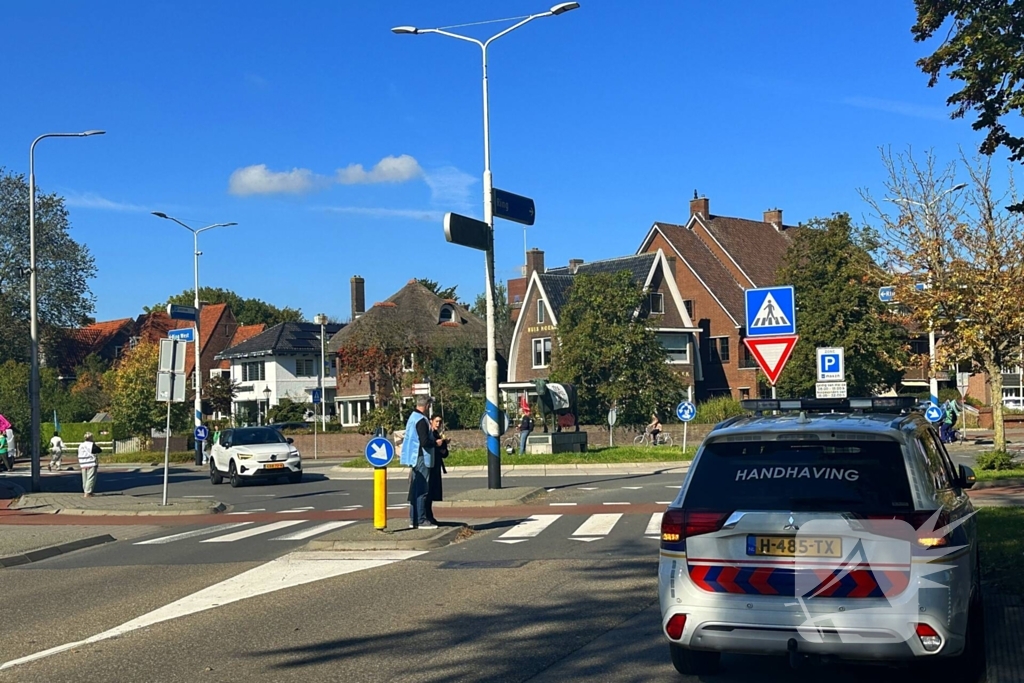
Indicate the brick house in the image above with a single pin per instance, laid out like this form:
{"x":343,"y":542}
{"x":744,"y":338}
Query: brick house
{"x":107,"y":340}
{"x":546,"y":291}
{"x":718,"y":258}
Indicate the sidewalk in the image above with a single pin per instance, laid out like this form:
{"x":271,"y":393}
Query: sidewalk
{"x":480,"y":471}
{"x":113,"y":504}
{"x":25,"y":544}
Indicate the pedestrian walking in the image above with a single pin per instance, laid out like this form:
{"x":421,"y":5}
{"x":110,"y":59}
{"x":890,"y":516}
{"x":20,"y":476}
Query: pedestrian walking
{"x":87,"y":461}
{"x":435,"y":488}
{"x":56,"y":452}
{"x":525,"y":427}
{"x":5,"y":464}
{"x":418,"y":453}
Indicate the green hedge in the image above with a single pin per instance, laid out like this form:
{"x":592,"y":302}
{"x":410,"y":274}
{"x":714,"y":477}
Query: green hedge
{"x":73,"y":432}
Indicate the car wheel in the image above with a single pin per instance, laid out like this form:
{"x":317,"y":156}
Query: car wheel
{"x":693,"y":662}
{"x":295,"y":477}
{"x":235,"y":480}
{"x":215,"y":476}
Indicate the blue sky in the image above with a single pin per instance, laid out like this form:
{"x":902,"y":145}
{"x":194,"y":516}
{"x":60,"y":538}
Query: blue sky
{"x":337,"y":145}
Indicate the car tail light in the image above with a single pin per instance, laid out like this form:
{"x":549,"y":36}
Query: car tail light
{"x":929,"y":637}
{"x":677,"y":525}
{"x":927,"y":533}
{"x":674,"y":627}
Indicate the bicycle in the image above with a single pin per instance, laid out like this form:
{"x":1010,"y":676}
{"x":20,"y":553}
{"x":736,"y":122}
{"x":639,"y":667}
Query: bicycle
{"x":664,"y":439}
{"x":511,"y":444}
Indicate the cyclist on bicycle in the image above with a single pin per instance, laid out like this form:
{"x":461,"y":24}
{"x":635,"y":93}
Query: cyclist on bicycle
{"x":654,"y":429}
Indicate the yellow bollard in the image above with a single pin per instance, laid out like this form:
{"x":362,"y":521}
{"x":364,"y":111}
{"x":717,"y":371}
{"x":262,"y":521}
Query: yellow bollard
{"x":380,"y":498}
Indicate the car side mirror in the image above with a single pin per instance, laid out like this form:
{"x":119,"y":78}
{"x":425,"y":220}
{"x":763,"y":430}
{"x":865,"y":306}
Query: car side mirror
{"x":967,"y":477}
{"x":290,"y":440}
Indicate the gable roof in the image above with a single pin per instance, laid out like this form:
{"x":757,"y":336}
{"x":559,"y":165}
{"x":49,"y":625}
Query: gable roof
{"x":281,"y":339}
{"x":417,"y":310}
{"x":79,"y":342}
{"x":242,"y":333}
{"x":757,"y":248}
{"x":557,"y":281}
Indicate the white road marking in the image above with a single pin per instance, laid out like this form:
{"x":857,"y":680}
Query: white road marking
{"x":550,"y":490}
{"x":398,"y":507}
{"x":673,"y":487}
{"x":350,"y":508}
{"x":259,"y":495}
{"x":654,"y":526}
{"x":190,"y":534}
{"x":510,"y":540}
{"x":561,"y":504}
{"x":197,"y":496}
{"x":254,"y":531}
{"x":617,"y":503}
{"x":663,"y":502}
{"x":587,"y":488}
{"x":313,"y":531}
{"x":529,"y":527}
{"x":296,"y":511}
{"x":293,"y":569}
{"x":598,"y":525}
{"x":633,"y":488}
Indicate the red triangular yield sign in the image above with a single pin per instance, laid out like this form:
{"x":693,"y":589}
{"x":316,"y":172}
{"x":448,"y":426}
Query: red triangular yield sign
{"x":772,"y":353}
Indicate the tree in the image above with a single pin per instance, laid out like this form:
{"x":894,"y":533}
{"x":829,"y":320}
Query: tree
{"x":219,"y":394}
{"x":966,"y":249}
{"x":288,"y":410}
{"x":504,"y":326}
{"x":610,"y":353}
{"x":444,"y":293}
{"x":63,"y":266}
{"x":132,"y":387}
{"x":381,"y":347}
{"x":836,"y":284}
{"x":246,"y":311}
{"x":984,"y":50}
{"x":456,"y":377}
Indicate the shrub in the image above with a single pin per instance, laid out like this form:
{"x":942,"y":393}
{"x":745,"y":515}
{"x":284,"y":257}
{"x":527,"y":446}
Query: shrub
{"x":388,"y":417}
{"x":995,"y":460}
{"x":716,"y":409}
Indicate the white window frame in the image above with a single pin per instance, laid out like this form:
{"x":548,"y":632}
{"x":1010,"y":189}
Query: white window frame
{"x":651,"y":298}
{"x":450,"y":310}
{"x":261,"y":375}
{"x":689,"y":340}
{"x":541,"y":313}
{"x":409,"y":366}
{"x":543,"y":345}
{"x":305,"y":364}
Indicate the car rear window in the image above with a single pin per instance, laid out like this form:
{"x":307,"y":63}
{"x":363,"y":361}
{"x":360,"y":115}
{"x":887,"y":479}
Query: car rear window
{"x":826,"y":476}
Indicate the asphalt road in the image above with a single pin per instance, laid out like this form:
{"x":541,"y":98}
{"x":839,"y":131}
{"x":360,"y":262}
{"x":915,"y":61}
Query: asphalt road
{"x":520,"y":600}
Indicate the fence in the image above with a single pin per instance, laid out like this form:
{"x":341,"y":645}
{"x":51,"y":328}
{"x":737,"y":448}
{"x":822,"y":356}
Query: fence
{"x":132,"y":445}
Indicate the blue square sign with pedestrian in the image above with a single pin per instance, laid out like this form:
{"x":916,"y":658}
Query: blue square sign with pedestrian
{"x":771,"y":311}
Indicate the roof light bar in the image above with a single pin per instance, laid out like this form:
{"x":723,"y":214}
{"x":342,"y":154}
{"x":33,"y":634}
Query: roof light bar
{"x":878,"y":404}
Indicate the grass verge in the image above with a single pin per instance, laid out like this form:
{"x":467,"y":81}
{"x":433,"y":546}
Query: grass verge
{"x":606,"y":455}
{"x":992,"y":475}
{"x":146,"y":457}
{"x":1001,"y":538}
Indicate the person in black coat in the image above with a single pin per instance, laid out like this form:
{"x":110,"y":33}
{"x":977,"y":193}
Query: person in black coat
{"x":435,"y":489}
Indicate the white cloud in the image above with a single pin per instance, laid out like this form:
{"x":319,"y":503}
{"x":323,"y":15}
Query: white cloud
{"x":450,"y":187}
{"x":390,"y":169}
{"x":90,"y":200}
{"x":377,"y":212}
{"x":895,"y":107}
{"x":258,"y":179}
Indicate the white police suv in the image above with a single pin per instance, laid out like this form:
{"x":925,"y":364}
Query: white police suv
{"x":833,"y":529}
{"x":248,"y":453}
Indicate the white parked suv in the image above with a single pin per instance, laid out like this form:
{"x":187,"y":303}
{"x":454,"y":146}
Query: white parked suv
{"x":254,"y":453}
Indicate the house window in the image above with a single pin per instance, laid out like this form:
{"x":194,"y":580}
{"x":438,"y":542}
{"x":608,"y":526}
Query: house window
{"x":542,"y":352}
{"x":253,"y":370}
{"x":677,"y":345}
{"x":225,"y":374}
{"x":304,"y":367}
{"x":352,"y":412}
{"x":540,"y":311}
{"x":718,"y":348}
{"x":744,"y":394}
{"x":117,"y":351}
{"x":656,"y":303}
{"x":447,"y":314}
{"x":688,"y":305}
{"x":408,"y":362}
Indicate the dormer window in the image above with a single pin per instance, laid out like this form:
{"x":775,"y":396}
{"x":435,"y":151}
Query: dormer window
{"x":448,"y":314}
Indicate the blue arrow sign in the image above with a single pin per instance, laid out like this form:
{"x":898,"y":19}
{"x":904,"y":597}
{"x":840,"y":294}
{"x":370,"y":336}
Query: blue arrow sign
{"x":934,"y":414}
{"x":181,"y":312}
{"x":886,"y":294}
{"x":771,"y":311}
{"x":317,"y":396}
{"x":513,"y":207}
{"x":202,"y":433}
{"x":686,"y":411}
{"x":379,"y":451}
{"x":185,"y":334}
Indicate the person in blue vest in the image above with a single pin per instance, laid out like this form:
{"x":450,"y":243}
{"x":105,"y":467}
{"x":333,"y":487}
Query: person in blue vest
{"x":418,"y":453}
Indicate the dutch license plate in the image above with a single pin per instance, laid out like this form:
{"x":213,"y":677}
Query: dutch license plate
{"x":273,"y":465}
{"x":793,"y":546}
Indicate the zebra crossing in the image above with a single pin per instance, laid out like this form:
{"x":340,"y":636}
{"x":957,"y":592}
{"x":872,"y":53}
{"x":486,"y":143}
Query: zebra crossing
{"x":594,"y":528}
{"x":237,"y":531}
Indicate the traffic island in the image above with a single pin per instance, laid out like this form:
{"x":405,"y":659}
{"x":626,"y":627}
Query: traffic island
{"x":404,"y":537}
{"x":515,"y":495}
{"x":113,"y":504}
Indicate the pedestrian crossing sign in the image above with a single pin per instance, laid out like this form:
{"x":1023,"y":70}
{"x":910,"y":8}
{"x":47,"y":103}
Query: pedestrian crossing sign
{"x":771,"y":311}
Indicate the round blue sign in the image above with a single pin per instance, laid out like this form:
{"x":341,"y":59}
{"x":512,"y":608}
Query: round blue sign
{"x":379,"y":451}
{"x":201,"y":433}
{"x":686,"y":411}
{"x":934,"y":413}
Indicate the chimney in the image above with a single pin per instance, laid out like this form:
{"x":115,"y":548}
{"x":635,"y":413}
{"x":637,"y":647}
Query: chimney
{"x":671,"y":265}
{"x":574,"y":264}
{"x":534,"y":262}
{"x":774,"y":216}
{"x":358,"y":296}
{"x":699,"y":205}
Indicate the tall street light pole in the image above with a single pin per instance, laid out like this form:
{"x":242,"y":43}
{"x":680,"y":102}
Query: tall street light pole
{"x":491,"y":369}
{"x":197,"y":380}
{"x":933,"y":381}
{"x":33,"y":382}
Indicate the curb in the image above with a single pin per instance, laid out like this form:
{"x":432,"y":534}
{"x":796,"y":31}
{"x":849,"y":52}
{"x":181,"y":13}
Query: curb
{"x":219,"y":507}
{"x":493,"y":503}
{"x":53,"y":551}
{"x":997,"y":483}
{"x":444,"y":537}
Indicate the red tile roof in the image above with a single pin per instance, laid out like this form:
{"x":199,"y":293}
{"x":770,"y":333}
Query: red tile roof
{"x":757,"y":247}
{"x":242,"y":333}
{"x":709,"y":269}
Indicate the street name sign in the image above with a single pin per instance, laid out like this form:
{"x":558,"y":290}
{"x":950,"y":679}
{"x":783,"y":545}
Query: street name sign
{"x":686,"y":411}
{"x":513,"y":207}
{"x":830,"y":390}
{"x":886,"y":294}
{"x":379,"y":451}
{"x":202,"y":433}
{"x":771,"y":311}
{"x":831,"y":365}
{"x":771,"y":353}
{"x":185,"y":334}
{"x":469,"y":232}
{"x":181,"y":312}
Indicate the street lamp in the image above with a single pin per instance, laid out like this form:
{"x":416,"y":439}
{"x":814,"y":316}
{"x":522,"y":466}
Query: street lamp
{"x":492,"y":414}
{"x":196,"y":376}
{"x":33,"y":382}
{"x":321,"y":320}
{"x":933,"y":381}
{"x":266,"y":410}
